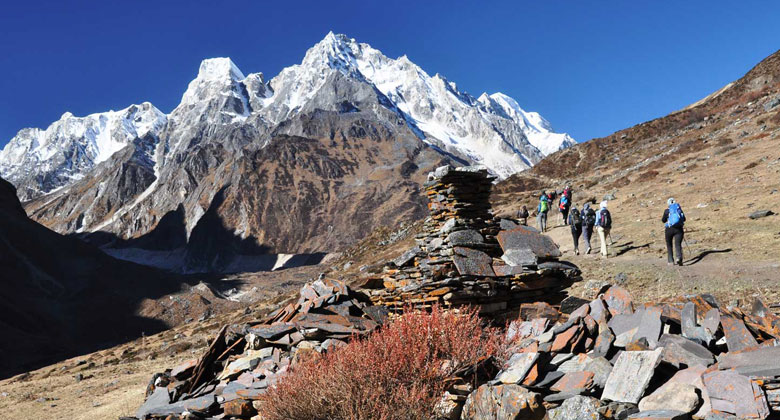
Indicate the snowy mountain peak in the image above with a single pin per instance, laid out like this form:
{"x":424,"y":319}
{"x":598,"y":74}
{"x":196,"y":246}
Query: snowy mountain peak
{"x":220,"y":68}
{"x":71,"y":146}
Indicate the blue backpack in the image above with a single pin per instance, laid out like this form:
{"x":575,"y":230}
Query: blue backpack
{"x":676,"y":216}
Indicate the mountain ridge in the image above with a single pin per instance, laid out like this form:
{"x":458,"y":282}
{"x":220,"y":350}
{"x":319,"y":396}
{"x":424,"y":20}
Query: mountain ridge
{"x":358,"y":124}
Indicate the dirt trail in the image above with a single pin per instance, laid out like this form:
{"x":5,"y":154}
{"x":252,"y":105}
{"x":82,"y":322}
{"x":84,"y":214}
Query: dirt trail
{"x":719,"y":270}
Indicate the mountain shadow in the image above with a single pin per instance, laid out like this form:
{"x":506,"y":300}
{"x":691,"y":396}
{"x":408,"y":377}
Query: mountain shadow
{"x":61,"y":297}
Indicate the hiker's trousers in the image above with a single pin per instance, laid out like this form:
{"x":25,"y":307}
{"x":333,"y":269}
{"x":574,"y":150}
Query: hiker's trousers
{"x":542,"y":218}
{"x":603,"y":233}
{"x":575,"y":235}
{"x":587,"y":232}
{"x":674,"y":235}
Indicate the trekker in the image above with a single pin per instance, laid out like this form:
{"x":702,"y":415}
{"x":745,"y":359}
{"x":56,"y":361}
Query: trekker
{"x":563,"y":206}
{"x":588,"y":221}
{"x":674,"y":219}
{"x":522,"y":216}
{"x":567,"y":193}
{"x":541,"y":211}
{"x":575,"y":221}
{"x":603,"y":226}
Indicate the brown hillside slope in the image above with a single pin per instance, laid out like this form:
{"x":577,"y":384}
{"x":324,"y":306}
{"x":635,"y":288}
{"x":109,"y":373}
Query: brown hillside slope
{"x":719,"y":159}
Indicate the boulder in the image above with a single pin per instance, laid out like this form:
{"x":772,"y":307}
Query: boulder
{"x":672,"y":396}
{"x":506,"y":402}
{"x":577,"y":408}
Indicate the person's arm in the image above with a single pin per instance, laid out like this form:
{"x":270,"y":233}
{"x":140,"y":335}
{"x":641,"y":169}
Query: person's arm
{"x":665,"y":216}
{"x":682,"y":213}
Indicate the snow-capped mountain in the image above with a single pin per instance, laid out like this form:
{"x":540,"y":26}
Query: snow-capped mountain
{"x":41,"y":161}
{"x":494,"y":132}
{"x":312,"y":159}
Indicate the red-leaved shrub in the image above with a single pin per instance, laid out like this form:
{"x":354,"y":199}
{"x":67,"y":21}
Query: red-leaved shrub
{"x":399,"y":372}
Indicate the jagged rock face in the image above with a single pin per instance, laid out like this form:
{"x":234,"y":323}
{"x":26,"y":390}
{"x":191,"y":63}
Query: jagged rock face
{"x":38,"y":161}
{"x":310,"y":161}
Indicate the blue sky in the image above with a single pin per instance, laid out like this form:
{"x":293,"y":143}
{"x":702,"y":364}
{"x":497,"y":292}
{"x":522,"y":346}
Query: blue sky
{"x":589,"y":67}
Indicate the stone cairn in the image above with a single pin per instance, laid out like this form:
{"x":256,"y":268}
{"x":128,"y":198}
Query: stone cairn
{"x":466,"y":256}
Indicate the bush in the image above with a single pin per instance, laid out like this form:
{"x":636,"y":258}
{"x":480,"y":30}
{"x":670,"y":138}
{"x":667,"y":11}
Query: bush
{"x":399,"y":372}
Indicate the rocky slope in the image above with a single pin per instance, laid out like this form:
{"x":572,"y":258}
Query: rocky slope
{"x":309,"y":161}
{"x":719,"y":158}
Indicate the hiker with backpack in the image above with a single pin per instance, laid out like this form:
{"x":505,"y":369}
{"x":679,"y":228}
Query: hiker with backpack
{"x":567,"y":202}
{"x":541,"y":211}
{"x":563,"y":206}
{"x":522,"y":216}
{"x":575,"y":221}
{"x":603,"y":226}
{"x":588,"y":217}
{"x":674,"y":220}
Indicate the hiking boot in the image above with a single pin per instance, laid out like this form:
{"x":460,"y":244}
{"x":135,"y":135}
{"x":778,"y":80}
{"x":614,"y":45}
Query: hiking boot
{"x":679,"y":263}
{"x":576,"y":251}
{"x":587,"y":251}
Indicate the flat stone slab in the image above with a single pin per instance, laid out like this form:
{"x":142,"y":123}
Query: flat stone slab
{"x":524,"y":237}
{"x":508,"y":270}
{"x":158,"y":404}
{"x":650,"y":326}
{"x":735,"y":394}
{"x":471,"y":262}
{"x":517,"y":368}
{"x":407,"y":257}
{"x":659,"y":415}
{"x":572,"y":381}
{"x":737,"y":335}
{"x":762,"y":356}
{"x":465,"y":238}
{"x":621,"y":323}
{"x":679,"y":350}
{"x":519,"y":257}
{"x":274,"y":331}
{"x":631,"y":375}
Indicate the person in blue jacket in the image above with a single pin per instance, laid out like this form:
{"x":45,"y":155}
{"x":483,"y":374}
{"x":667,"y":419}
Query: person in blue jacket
{"x":674,"y":220}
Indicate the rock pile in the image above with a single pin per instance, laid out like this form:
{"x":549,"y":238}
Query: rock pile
{"x":465,"y":255}
{"x":244,"y":360}
{"x":614,"y":359}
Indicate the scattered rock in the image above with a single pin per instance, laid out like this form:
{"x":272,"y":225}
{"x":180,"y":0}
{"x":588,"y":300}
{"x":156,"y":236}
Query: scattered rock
{"x":672,"y":396}
{"x":760,"y":213}
{"x":577,"y":408}
{"x":659,"y":415}
{"x":509,"y":402}
{"x":631,"y":375}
